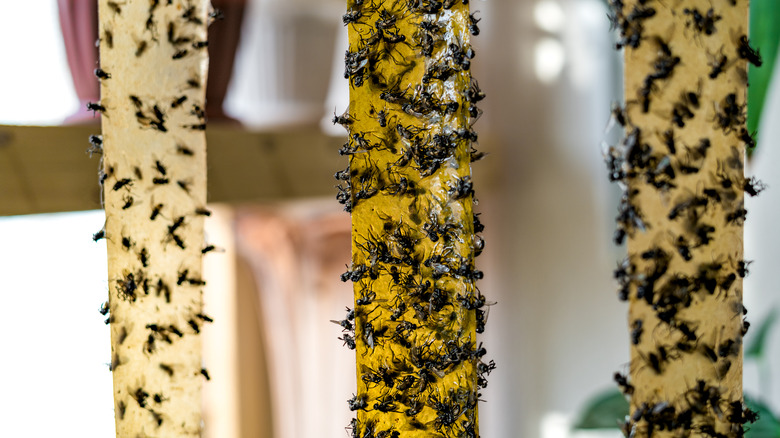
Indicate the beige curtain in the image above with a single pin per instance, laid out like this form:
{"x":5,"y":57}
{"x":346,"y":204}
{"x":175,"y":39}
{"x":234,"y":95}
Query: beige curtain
{"x":296,"y":254}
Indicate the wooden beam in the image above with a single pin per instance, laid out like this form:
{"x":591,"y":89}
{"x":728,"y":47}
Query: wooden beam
{"x":45,"y":169}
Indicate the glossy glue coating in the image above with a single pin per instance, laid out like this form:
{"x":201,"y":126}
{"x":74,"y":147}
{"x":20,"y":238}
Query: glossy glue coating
{"x":681,"y":162}
{"x":411,"y":200}
{"x":153,"y":176}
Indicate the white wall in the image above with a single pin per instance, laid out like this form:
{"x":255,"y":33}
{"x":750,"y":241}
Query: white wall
{"x":558,"y":332}
{"x":762,"y":244}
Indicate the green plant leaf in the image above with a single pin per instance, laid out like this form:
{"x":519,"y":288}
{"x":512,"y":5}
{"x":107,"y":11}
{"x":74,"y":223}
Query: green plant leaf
{"x":764,"y":35}
{"x":767,"y":425}
{"x":757,"y":345}
{"x":605,"y":411}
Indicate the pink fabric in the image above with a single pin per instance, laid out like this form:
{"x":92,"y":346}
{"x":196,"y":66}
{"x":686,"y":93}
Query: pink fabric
{"x":297,"y":257}
{"x":78,"y":20}
{"x":79,"y":23}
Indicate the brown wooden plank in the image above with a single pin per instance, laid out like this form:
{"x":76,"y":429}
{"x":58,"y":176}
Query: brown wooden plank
{"x":45,"y":169}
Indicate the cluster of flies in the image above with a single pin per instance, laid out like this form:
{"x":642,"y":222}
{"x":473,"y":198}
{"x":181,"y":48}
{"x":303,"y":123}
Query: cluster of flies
{"x":718,"y":202}
{"x":138,"y":185}
{"x":417,"y":134}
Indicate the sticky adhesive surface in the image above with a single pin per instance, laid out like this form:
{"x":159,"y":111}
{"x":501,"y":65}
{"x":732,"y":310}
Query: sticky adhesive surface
{"x":154,"y":188}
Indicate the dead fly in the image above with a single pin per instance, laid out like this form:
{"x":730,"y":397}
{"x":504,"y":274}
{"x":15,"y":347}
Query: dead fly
{"x":357,"y":402}
{"x":631,"y":25}
{"x":352,"y":17}
{"x":385,"y":404}
{"x":178,"y":240}
{"x":478,"y":227}
{"x":462,"y":189}
{"x":669,"y":141}
{"x":120,"y":409}
{"x":155,"y":211}
{"x":753,"y":186}
{"x":101,"y":74}
{"x":159,"y":122}
{"x":381,"y":117}
{"x":344,"y":323}
{"x":629,"y":217}
{"x":127,"y":287}
{"x":128,"y":202}
{"x":109,"y":37}
{"x":193,"y":83}
{"x":160,"y":168}
{"x":198,"y":112}
{"x":618,"y":115}
{"x":741,"y":414}
{"x":622,"y":382}
{"x":141,"y":48}
{"x":717,"y":62}
{"x":748,"y":138}
{"x":176,"y":224}
{"x":349,"y":341}
{"x":636,"y":331}
{"x":115,"y":7}
{"x":683,"y":108}
{"x":184,"y":185}
{"x":178,"y":102}
{"x":366,"y":298}
{"x":172,"y":232}
{"x":194,"y":325}
{"x":473,"y":20}
{"x":665,"y":63}
{"x":746,"y":52}
{"x":99,"y":235}
{"x":428,"y":36}
{"x":96,"y":145}
{"x":344,"y":119}
{"x":372,"y":335}
{"x":140,"y":396}
{"x":216,"y":15}
{"x":729,"y":114}
{"x":137,"y":103}
{"x":184,"y":150}
{"x":683,"y":248}
{"x":143,"y":256}
{"x":183,"y":278}
{"x":163,"y":289}
{"x":204,"y":317}
{"x":167,"y":369}
{"x":190,"y":15}
{"x":702,"y":23}
{"x":95,"y":108}
{"x":742,"y":268}
{"x":162,"y":171}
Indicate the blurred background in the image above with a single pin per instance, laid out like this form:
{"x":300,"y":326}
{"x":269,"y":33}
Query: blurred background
{"x":558,"y":332}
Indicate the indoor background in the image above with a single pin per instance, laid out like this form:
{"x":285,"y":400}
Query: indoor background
{"x":557,"y":332}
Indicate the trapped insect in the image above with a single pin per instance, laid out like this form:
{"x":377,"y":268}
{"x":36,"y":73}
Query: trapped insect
{"x":101,"y":74}
{"x":95,"y":108}
{"x":745,"y":51}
